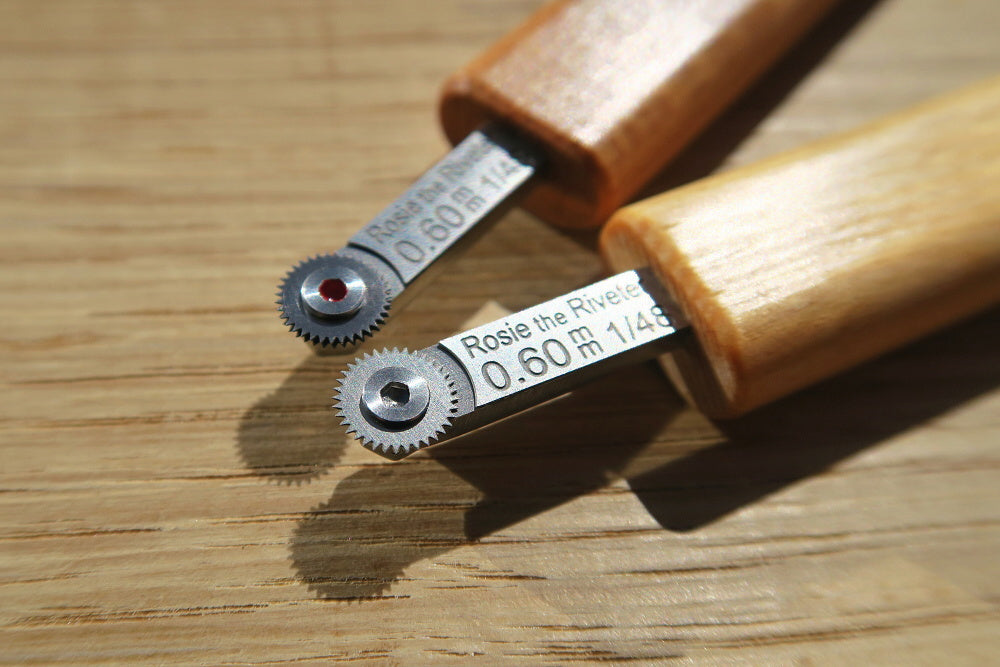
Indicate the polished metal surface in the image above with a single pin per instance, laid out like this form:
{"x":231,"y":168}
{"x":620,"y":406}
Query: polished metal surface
{"x":473,"y":183}
{"x":458,"y":192}
{"x":396,"y":396}
{"x":559,"y":337}
{"x":512,"y":364}
{"x":333,"y":292}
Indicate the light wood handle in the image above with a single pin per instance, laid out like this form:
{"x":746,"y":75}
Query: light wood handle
{"x":796,"y":268}
{"x":613,"y":90}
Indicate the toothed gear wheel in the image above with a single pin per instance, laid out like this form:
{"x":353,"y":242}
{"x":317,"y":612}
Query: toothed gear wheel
{"x":334,"y":299}
{"x":396,"y":401}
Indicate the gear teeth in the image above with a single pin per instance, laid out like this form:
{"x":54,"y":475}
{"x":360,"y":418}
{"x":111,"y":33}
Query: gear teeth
{"x":396,"y":444}
{"x":323,"y":333}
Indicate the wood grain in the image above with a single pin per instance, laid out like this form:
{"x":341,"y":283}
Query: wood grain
{"x":611,"y":91}
{"x":799,"y":267}
{"x":174,"y":489}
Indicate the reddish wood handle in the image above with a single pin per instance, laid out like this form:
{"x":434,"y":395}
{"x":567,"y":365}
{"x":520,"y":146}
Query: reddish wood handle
{"x":798,"y":267}
{"x":613,"y":90}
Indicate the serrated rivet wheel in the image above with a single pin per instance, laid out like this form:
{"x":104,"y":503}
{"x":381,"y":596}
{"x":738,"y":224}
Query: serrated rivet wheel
{"x":335,"y":299}
{"x":396,"y":401}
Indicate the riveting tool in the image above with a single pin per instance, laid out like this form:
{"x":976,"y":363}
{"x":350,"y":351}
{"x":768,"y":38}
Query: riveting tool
{"x":586,"y":101}
{"x":751,"y":284}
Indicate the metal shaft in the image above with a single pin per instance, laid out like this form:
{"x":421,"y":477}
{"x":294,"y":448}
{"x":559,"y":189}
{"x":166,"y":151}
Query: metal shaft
{"x":474,"y":179}
{"x":343,"y":297}
{"x":492,"y":371}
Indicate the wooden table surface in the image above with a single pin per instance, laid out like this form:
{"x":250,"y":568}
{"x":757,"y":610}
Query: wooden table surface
{"x":176,"y":489}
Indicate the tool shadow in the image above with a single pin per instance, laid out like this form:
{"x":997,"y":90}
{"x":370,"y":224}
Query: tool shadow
{"x":813,"y":430}
{"x":383,"y":519}
{"x":291,"y":436}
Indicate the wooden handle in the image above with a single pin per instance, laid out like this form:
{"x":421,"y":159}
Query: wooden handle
{"x":801,"y":266}
{"x":612,"y":90}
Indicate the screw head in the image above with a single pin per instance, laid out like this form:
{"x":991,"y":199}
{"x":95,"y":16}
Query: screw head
{"x":396,"y":397}
{"x":333,"y":293}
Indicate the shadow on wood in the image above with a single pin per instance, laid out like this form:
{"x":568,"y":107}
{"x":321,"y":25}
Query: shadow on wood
{"x":292,"y":436}
{"x":382,"y":519}
{"x":808,"y":432}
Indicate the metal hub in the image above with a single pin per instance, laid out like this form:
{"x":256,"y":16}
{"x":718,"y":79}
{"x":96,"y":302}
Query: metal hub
{"x":395,"y":396}
{"x":335,"y":292}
